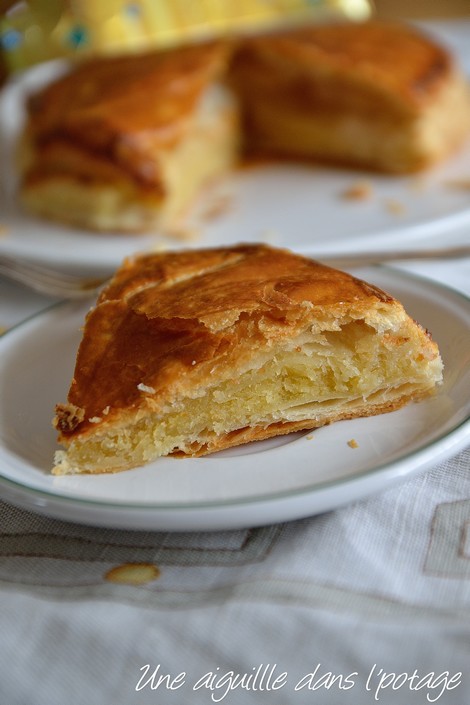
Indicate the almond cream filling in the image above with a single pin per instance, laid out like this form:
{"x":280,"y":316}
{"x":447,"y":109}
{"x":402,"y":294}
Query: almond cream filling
{"x":314,"y":378}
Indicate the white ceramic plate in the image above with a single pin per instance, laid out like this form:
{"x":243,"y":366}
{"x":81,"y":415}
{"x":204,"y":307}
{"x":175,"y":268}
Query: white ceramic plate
{"x":261,"y":483}
{"x":291,"y":205}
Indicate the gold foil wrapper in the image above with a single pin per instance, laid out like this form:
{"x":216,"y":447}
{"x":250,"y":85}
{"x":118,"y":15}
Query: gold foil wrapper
{"x":33,"y":31}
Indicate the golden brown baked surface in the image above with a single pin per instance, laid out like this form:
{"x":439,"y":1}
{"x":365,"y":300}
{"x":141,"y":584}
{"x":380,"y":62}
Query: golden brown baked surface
{"x":122,"y":108}
{"x":127,"y":143}
{"x":193,"y":351}
{"x":401,"y":63}
{"x":375,"y":94}
{"x":162,"y":312}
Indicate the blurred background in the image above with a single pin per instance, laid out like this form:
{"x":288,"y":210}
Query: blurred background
{"x":44,"y":27}
{"x":411,"y":9}
{"x":387,"y":9}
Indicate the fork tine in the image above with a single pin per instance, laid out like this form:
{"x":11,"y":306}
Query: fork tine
{"x":48,"y":281}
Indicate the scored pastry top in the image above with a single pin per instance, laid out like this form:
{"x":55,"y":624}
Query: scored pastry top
{"x":167,"y":321}
{"x":211,"y":284}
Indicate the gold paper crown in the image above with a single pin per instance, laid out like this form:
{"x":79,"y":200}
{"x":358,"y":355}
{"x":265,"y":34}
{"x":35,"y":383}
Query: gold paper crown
{"x":38,"y":30}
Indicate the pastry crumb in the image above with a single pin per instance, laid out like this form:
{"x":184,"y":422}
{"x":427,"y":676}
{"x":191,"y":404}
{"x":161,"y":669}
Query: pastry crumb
{"x":359,"y":191}
{"x":160,"y":246}
{"x":105,"y":411}
{"x":461,"y":184}
{"x":353,"y":444}
{"x":95,"y":419}
{"x":183,"y":232}
{"x":417,"y":184}
{"x":133,"y":573}
{"x":394,"y":207}
{"x":309,"y":437}
{"x":217,"y":207}
{"x":269,"y":236}
{"x":68,"y":417}
{"x":145,"y":388}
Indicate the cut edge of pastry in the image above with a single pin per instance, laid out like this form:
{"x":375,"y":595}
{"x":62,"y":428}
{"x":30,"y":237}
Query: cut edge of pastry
{"x":325,"y":365}
{"x":304,"y":96}
{"x":370,"y":142}
{"x":103,"y":197}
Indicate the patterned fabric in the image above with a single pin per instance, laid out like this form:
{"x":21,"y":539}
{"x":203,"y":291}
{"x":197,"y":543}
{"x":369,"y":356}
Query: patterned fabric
{"x":414,"y":541}
{"x":385,"y":581}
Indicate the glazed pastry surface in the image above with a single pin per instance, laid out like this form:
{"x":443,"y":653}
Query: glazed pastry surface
{"x":375,"y":95}
{"x":190,"y":352}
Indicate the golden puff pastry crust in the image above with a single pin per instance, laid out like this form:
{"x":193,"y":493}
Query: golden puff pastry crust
{"x":376,"y":94}
{"x":122,"y":142}
{"x":190,"y":352}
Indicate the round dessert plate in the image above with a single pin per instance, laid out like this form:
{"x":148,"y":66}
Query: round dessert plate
{"x":260,"y":483}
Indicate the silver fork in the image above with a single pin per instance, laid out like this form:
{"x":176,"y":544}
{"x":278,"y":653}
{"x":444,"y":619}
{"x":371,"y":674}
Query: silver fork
{"x":69,"y":286}
{"x":48,"y":281}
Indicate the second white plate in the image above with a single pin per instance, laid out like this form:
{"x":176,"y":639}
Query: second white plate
{"x":301,"y":207}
